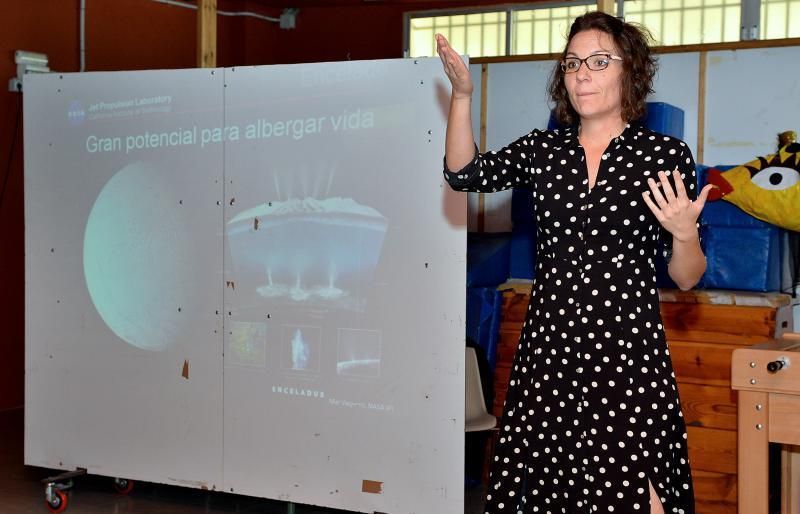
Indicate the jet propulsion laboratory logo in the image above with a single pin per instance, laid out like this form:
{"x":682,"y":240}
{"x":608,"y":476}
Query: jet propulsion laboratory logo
{"x":76,"y":113}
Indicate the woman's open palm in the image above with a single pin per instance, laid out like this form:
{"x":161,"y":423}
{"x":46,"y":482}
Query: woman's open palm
{"x":676,"y":212}
{"x":454,"y":67}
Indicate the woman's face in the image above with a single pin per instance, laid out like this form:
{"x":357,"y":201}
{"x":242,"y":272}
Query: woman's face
{"x":594,"y":94}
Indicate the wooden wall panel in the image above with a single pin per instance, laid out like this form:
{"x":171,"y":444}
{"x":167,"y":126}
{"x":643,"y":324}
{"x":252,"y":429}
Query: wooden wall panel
{"x":711,"y":449}
{"x":727,"y":321}
{"x":708,"y":406}
{"x":702,"y":363}
{"x":714,"y":493}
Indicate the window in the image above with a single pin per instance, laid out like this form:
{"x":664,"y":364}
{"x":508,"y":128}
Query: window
{"x":477,"y":35}
{"x":685,"y":22}
{"x":779,"y":19}
{"x":545,"y":30}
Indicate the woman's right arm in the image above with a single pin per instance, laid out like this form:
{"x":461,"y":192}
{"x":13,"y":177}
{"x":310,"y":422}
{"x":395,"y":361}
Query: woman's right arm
{"x":459,"y":140}
{"x":466,"y":169}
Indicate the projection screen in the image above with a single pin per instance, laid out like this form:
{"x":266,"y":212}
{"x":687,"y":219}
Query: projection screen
{"x":249,"y":280}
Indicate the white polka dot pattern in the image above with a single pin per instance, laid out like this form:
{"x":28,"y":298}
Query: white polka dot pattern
{"x":592,"y":410}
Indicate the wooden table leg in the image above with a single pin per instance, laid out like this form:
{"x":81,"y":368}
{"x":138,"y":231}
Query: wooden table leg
{"x":753,"y":452}
{"x":790,"y":471}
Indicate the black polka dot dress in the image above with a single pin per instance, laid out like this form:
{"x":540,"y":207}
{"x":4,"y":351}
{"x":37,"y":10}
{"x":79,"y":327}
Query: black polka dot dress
{"x":592,"y":411}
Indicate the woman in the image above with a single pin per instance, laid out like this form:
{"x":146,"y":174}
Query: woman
{"x":592,"y":420}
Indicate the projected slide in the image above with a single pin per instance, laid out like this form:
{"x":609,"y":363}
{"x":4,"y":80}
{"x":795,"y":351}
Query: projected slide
{"x":254,"y":271}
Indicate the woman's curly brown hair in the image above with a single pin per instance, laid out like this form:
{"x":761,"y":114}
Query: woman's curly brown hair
{"x":639,"y":66}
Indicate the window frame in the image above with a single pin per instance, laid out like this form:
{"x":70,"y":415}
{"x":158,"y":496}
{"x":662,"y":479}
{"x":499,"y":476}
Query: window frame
{"x":750,"y":19}
{"x":508,"y":9}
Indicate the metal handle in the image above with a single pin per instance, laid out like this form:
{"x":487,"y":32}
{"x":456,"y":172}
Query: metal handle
{"x":775,"y":366}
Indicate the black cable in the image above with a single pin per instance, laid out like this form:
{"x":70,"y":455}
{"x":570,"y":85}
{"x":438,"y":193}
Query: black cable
{"x":794,"y":259}
{"x":11,"y":149}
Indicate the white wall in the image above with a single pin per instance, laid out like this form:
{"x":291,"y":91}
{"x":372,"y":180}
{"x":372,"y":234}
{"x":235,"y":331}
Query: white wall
{"x":677,"y":83}
{"x":751,"y":96}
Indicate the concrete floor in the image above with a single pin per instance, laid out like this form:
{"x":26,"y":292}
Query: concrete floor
{"x":22,"y":493}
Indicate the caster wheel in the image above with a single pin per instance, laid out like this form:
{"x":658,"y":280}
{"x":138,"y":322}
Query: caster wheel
{"x":123,"y":485}
{"x":59,"y":503}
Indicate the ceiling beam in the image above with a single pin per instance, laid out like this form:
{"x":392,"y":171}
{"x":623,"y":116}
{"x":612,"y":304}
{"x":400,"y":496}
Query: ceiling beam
{"x":206,"y":33}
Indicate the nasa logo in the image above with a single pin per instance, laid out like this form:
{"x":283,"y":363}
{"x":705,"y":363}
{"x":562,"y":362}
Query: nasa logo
{"x":76,"y":113}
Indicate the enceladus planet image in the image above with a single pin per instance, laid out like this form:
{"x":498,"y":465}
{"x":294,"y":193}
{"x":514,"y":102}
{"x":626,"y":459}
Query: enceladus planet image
{"x":138,"y":258}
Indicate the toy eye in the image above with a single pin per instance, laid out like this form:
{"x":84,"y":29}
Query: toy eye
{"x":776,"y":178}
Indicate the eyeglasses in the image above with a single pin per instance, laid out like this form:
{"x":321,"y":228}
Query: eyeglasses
{"x":594,"y":62}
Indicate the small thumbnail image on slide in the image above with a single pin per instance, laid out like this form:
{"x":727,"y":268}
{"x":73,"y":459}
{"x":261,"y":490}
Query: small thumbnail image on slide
{"x":247,"y":344}
{"x":359,"y":353}
{"x":300,"y":348}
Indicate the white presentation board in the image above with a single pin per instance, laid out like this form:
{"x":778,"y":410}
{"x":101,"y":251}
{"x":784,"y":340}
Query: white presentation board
{"x":249,"y":280}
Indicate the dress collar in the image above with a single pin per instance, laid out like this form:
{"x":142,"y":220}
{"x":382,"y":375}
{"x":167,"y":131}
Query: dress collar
{"x":625,"y":140}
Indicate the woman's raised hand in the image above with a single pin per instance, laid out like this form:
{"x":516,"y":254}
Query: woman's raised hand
{"x":673,"y":208}
{"x":454,"y":67}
